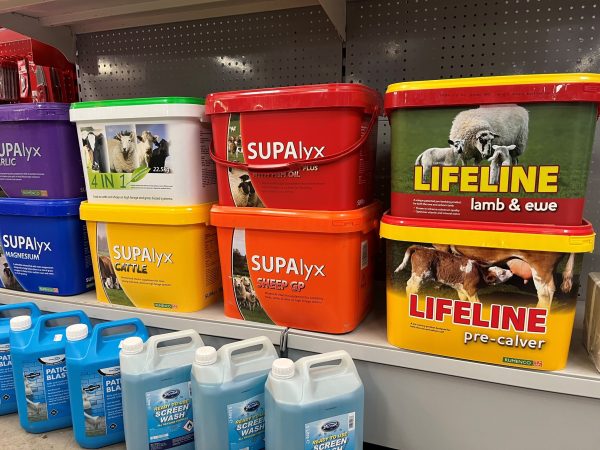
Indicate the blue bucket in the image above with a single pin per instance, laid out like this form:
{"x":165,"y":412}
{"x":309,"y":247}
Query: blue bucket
{"x":44,"y":247}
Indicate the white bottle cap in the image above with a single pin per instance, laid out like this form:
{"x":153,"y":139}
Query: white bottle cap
{"x":132,"y":345}
{"x":283,"y":368}
{"x":20,"y":323}
{"x":205,"y":356}
{"x":77,"y":332}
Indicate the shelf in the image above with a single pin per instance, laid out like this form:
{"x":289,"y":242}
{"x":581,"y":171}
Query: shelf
{"x":210,"y":321}
{"x":86,"y":16}
{"x":368,"y":343}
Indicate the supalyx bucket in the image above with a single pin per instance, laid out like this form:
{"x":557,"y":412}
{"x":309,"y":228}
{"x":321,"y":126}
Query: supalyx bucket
{"x":302,"y":269}
{"x":44,"y":247}
{"x":491,"y":292}
{"x":39,"y":156}
{"x":151,"y":151}
{"x":154,"y":257}
{"x":303,"y":147}
{"x":503,"y":149}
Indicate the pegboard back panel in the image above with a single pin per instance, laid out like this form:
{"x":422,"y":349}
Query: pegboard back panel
{"x":282,"y":48}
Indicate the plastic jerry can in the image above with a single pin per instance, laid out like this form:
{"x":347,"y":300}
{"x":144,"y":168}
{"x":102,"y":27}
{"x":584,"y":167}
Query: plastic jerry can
{"x":95,"y":380}
{"x":228,"y":394}
{"x":315,"y":403}
{"x":8,"y":399}
{"x":39,"y":364}
{"x":157,"y":398}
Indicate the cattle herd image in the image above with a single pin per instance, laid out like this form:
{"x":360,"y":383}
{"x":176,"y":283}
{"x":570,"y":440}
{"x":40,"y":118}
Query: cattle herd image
{"x":487,"y":275}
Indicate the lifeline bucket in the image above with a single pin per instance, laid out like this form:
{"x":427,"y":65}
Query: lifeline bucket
{"x":150,"y":151}
{"x":310,"y":270}
{"x":44,"y":247}
{"x":39,"y":157}
{"x":302,"y":147}
{"x":492,"y":292}
{"x":502,"y":149}
{"x":154,"y":257}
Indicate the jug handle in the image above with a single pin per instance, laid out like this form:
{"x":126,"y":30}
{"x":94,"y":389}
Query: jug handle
{"x":346,"y":363}
{"x":41,"y":323}
{"x":158,"y":353}
{"x":140,"y":330}
{"x":265,"y":343}
{"x":33,"y":309}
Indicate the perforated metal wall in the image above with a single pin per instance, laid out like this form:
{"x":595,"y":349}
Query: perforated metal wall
{"x":296,"y":46}
{"x":391,"y":41}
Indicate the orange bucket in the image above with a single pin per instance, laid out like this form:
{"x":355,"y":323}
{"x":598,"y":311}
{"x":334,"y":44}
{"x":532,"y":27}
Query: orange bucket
{"x":311,"y":270}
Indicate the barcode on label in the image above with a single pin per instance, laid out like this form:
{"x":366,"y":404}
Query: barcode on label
{"x":364,"y":254}
{"x":351,"y":417}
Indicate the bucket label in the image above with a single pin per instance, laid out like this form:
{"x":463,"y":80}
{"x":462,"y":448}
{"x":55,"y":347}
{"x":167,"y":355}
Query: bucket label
{"x":145,"y":162}
{"x":333,"y":433}
{"x":247,"y":424}
{"x":46,"y":388}
{"x":169,"y":412}
{"x":101,"y":396}
{"x":482,"y":304}
{"x":7,"y":383}
{"x":493,"y":162}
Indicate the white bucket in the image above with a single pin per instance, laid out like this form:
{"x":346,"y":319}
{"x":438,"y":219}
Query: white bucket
{"x":150,"y":151}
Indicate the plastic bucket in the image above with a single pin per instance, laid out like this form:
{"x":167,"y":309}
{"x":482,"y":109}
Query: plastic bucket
{"x":38,"y":152}
{"x":301,"y":269}
{"x":154,"y":257}
{"x":303,"y":147}
{"x":44,"y":247}
{"x":498,"y":293}
{"x":493,"y":149}
{"x":150,"y":151}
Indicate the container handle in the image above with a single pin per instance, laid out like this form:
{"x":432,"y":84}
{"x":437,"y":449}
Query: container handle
{"x":266,"y":348}
{"x":139,"y":330}
{"x":346,"y":363}
{"x":78,"y":314}
{"x":299,"y":162}
{"x":194,"y":342}
{"x":33,"y":309}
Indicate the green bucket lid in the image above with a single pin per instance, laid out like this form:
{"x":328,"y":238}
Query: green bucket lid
{"x":139,"y":101}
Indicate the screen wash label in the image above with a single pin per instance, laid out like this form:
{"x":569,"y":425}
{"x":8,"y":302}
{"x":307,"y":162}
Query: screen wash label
{"x":333,"y":433}
{"x":247,"y":424}
{"x":169,"y":413}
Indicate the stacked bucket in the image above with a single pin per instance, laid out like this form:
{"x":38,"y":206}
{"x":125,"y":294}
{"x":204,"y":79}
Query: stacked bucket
{"x":485,"y":234}
{"x":150,"y":185}
{"x":43,"y":244}
{"x":296,"y":220}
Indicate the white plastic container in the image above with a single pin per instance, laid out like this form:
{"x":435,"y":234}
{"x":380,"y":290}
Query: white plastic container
{"x":228,"y":394}
{"x":151,"y":151}
{"x":157,"y":398}
{"x":315,"y":403}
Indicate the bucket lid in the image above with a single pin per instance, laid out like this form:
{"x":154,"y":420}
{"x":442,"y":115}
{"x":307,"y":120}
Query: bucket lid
{"x":146,"y":215}
{"x":363,"y":219}
{"x":140,"y":101}
{"x":559,"y":87}
{"x":35,"y":207}
{"x":551,"y":238}
{"x":34,"y":111}
{"x":295,"y":97}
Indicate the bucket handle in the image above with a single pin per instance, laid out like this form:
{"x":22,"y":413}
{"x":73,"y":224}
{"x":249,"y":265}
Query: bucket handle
{"x":266,"y":348}
{"x":78,"y":314}
{"x":139,"y":330}
{"x":306,"y":364}
{"x":158,"y":353}
{"x":299,"y":162}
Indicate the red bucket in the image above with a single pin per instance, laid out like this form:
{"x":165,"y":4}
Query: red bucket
{"x":302,"y":147}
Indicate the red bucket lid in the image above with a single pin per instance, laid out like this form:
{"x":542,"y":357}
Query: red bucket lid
{"x":295,"y":97}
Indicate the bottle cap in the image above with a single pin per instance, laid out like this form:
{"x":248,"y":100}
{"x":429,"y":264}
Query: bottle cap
{"x":20,"y":323}
{"x":283,"y":368}
{"x":132,"y":345}
{"x":77,"y":332}
{"x":205,"y":356}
